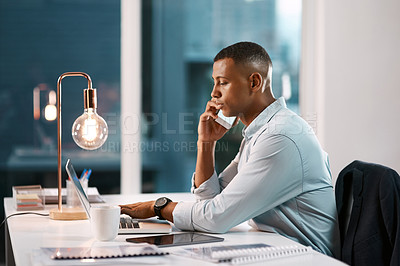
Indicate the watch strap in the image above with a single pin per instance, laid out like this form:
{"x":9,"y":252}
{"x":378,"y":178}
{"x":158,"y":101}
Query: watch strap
{"x":157,"y":209}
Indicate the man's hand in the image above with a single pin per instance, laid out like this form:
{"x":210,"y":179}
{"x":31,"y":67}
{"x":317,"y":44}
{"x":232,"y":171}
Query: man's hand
{"x":144,"y":210}
{"x":208,"y":129}
{"x":140,"y":210}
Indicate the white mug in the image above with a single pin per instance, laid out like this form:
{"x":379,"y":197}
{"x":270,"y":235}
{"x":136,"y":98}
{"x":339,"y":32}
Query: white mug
{"x":105,"y":221}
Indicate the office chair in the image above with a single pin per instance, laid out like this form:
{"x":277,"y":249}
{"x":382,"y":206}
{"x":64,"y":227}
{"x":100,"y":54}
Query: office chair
{"x":368,"y":205}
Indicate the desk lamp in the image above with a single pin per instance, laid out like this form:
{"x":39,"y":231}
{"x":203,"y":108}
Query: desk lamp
{"x":50,"y":114}
{"x":89,"y":132}
{"x":50,"y":111}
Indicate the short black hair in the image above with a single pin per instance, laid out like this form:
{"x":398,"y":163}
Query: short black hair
{"x":246,"y":52}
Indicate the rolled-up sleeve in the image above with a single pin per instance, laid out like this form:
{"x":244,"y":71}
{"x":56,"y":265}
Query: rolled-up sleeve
{"x":182,"y":215}
{"x":215,"y":184}
{"x":208,"y":189}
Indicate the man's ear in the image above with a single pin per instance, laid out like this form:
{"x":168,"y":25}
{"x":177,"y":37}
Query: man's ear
{"x":256,"y":81}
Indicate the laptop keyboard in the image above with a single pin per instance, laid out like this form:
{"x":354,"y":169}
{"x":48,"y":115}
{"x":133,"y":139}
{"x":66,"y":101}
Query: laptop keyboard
{"x":128,"y":222}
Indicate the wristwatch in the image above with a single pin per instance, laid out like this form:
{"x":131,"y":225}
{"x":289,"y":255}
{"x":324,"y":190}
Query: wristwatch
{"x":159,"y":205}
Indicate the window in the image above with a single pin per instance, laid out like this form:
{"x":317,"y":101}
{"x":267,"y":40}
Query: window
{"x":40,"y":40}
{"x":180,"y":39}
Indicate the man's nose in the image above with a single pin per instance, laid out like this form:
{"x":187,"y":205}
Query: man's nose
{"x":215,"y":92}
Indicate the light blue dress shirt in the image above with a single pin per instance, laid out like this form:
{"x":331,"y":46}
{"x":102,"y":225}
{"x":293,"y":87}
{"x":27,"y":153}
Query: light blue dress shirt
{"x":280,"y":179}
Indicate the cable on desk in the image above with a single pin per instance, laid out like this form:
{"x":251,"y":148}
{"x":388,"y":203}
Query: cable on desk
{"x":22,"y":213}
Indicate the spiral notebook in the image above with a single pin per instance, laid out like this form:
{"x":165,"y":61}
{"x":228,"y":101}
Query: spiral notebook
{"x":242,"y":254}
{"x":103,"y":252}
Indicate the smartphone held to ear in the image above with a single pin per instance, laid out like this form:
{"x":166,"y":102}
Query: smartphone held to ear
{"x":226,"y":122}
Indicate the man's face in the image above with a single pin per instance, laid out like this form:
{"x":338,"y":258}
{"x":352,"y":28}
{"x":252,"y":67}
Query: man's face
{"x":231,"y":87}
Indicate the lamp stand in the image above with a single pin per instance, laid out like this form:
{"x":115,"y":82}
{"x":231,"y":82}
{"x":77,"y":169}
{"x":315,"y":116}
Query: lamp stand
{"x":66,"y":213}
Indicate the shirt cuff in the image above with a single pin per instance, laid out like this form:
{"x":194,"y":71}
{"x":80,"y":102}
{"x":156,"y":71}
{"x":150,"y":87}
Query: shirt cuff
{"x":208,"y":189}
{"x":182,"y":215}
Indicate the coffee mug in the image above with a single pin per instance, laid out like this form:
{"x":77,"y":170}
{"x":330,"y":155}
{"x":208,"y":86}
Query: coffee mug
{"x":105,"y":221}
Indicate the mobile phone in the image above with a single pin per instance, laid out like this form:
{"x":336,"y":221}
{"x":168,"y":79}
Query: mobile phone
{"x":226,"y":122}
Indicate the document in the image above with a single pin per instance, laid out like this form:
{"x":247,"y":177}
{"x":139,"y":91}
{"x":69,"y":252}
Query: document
{"x":242,"y":254}
{"x":111,"y":255}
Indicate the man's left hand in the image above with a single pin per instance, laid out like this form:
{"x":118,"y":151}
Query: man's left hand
{"x":140,"y":210}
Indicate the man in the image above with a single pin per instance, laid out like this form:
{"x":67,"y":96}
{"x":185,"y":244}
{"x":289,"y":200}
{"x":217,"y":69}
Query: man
{"x":280,"y":178}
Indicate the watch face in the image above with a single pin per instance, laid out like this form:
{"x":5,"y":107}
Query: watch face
{"x":161,"y":202}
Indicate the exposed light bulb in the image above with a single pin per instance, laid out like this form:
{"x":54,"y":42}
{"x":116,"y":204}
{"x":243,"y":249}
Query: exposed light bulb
{"x":90,"y":130}
{"x":50,"y":112}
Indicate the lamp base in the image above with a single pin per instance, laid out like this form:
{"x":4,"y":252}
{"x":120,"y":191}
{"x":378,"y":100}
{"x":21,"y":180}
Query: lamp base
{"x":68,"y":214}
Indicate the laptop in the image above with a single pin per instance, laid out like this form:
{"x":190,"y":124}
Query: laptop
{"x":127,"y":224}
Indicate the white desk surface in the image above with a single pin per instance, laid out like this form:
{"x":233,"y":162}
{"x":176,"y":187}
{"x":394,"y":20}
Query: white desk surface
{"x":31,"y":232}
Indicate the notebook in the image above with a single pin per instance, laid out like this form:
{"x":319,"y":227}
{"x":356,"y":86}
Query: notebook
{"x":102,"y":252}
{"x":243,"y":254}
{"x":127,"y":224}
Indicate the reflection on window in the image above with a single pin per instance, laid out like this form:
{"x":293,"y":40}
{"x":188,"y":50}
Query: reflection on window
{"x":40,"y":40}
{"x":180,"y":40}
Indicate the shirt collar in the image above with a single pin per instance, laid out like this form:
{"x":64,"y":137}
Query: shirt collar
{"x":263,"y":118}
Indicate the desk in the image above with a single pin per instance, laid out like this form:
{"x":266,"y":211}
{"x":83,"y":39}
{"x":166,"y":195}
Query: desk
{"x":30,"y":232}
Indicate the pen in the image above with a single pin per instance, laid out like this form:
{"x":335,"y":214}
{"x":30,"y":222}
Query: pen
{"x":88,"y":173}
{"x":83,"y":174}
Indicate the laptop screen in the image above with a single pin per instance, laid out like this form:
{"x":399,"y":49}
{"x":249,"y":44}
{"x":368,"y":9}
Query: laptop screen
{"x":79,"y":189}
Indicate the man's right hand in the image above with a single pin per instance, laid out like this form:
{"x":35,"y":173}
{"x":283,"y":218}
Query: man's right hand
{"x":208,"y":129}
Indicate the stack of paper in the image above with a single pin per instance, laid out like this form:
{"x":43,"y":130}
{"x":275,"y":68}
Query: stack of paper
{"x":243,"y":254}
{"x":28,"y":202}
